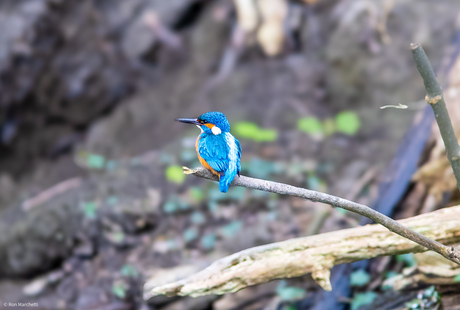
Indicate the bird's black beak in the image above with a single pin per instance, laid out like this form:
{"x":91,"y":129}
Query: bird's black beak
{"x":193,"y":121}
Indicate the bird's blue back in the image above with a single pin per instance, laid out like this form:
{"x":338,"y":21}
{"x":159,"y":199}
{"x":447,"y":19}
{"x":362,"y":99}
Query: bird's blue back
{"x":222,"y":152}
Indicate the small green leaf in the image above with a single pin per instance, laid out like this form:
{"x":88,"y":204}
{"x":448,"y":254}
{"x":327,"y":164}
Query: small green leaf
{"x":112,"y":200}
{"x":348,"y":122}
{"x":246,"y":130}
{"x":408,"y":259}
{"x":390,"y":274}
{"x":313,"y":182}
{"x":190,"y":234}
{"x":208,"y":241}
{"x":129,"y":271}
{"x":232,"y":229}
{"x":95,"y":161}
{"x":119,"y":289}
{"x":266,"y":135}
{"x":197,"y":217}
{"x":117,"y":236}
{"x":429,"y":291}
{"x":89,"y":209}
{"x":175,"y":174}
{"x":196,"y":193}
{"x":341,"y":211}
{"x":183,"y":205}
{"x":414,"y":303}
{"x":310,"y":125}
{"x":282,"y":284}
{"x":249,"y":130}
{"x":361,"y":299}
{"x":457,"y":278}
{"x":387,"y":287}
{"x":359,"y":278}
{"x":213,"y":206}
{"x":291,"y":293}
{"x":170,"y":206}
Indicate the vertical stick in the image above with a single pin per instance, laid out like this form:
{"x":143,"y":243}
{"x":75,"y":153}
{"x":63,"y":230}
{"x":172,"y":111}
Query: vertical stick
{"x":436,"y":99}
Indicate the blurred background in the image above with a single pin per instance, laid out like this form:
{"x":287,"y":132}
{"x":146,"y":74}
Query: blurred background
{"x":93,"y":202}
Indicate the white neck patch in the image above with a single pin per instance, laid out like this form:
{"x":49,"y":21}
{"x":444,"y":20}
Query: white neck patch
{"x":216,"y":130}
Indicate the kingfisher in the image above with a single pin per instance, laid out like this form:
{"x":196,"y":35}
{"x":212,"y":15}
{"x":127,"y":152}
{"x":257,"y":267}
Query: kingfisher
{"x":218,"y":150}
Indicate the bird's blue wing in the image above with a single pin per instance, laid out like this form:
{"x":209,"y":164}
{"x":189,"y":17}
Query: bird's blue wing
{"x":239,"y":155}
{"x":214,"y":150}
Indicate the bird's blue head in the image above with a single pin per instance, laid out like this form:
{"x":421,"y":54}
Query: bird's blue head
{"x":210,"y":122}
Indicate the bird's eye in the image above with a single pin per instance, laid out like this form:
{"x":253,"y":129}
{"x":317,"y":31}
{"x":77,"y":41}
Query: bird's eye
{"x":202,"y":122}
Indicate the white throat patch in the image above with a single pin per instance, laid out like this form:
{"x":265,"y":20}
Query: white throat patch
{"x":200,"y":128}
{"x":216,"y":130}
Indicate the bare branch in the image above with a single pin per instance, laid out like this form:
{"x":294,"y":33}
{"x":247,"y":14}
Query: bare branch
{"x":284,"y":189}
{"x":315,"y":254}
{"x":436,"y":99}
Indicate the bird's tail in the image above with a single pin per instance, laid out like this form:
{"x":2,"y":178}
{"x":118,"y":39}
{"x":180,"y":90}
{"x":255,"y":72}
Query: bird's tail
{"x":224,"y":182}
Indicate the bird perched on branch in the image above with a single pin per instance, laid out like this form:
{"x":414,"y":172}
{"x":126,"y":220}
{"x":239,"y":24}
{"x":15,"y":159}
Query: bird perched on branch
{"x":218,"y":150}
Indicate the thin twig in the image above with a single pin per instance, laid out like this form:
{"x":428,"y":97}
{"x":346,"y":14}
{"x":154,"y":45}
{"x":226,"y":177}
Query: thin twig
{"x":315,"y":254}
{"x":50,"y":193}
{"x":284,"y":189}
{"x":399,"y":106}
{"x":436,"y":99}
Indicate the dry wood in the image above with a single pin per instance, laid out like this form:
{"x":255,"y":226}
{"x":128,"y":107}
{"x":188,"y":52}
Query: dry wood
{"x":314,"y":254}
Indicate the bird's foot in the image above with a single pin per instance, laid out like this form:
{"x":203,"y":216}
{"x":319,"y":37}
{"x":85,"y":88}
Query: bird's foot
{"x":187,"y":170}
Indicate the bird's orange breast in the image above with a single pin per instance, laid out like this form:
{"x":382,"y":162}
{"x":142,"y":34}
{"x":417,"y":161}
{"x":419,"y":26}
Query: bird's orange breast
{"x":202,"y":161}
